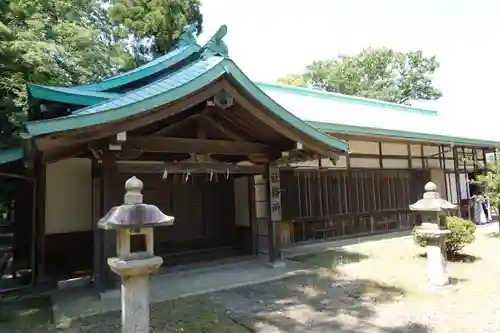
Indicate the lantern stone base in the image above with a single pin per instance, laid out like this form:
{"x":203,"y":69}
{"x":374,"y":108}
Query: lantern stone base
{"x":436,"y":256}
{"x":135,"y":291}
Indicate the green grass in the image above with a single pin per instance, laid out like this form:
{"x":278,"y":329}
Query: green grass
{"x":188,"y":315}
{"x":25,"y":314}
{"x":331,"y":259}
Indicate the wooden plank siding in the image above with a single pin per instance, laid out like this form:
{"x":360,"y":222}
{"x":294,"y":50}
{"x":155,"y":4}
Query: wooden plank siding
{"x":333,"y":203}
{"x":369,"y":190}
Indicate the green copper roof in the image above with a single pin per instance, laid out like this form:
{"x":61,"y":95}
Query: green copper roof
{"x":182,"y":83}
{"x":11,"y":154}
{"x":301,"y":91}
{"x":69,"y":95}
{"x":161,"y":63}
{"x":199,"y":66}
{"x":345,"y":114}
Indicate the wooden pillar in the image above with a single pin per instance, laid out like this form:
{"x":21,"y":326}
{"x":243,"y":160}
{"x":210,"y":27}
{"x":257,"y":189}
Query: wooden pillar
{"x":422,"y":157}
{"x":274,"y":192}
{"x":474,"y":159}
{"x":109,"y":185}
{"x":443,"y":151}
{"x":410,"y":159}
{"x":380,"y":156}
{"x":466,"y":176}
{"x":41,"y":175}
{"x":97,"y":213}
{"x":485,"y":162}
{"x":457,"y":180}
{"x":252,"y":212}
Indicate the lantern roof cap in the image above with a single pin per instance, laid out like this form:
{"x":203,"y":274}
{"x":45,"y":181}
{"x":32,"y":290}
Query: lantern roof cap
{"x":431,"y":201}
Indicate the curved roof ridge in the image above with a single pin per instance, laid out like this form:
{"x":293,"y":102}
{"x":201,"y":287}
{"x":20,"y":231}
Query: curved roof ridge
{"x":137,"y":92}
{"x":184,"y":82}
{"x":151,"y":67}
{"x":197,"y":73}
{"x":342,"y":97}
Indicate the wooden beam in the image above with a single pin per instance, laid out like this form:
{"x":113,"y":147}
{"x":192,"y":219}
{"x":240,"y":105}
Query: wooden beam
{"x":223,"y":129}
{"x":168,"y":129}
{"x":158,"y":167}
{"x":62,"y":153}
{"x":201,"y":146}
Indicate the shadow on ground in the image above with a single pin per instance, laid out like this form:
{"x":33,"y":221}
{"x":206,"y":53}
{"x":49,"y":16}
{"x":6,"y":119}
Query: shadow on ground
{"x":187,"y":315}
{"x":323,"y":301}
{"x":331,"y":258}
{"x":457,"y":257}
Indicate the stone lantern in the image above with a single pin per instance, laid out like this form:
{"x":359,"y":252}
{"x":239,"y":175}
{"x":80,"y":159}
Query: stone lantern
{"x":434,"y":231}
{"x":134,"y":223}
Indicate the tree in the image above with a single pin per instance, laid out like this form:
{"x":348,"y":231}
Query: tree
{"x":491,"y":183}
{"x":378,"y":73}
{"x":48,"y":42}
{"x":62,"y":42}
{"x":293,"y":80}
{"x":154,"y":24}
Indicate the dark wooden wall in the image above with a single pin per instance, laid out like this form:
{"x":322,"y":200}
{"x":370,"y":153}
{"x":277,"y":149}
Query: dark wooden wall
{"x":331,"y":203}
{"x":68,"y":255}
{"x":204,"y":225}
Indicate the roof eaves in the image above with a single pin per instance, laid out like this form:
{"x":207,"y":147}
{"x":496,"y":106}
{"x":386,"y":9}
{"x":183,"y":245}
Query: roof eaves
{"x":12,"y":154}
{"x":114,"y":111}
{"x":280,"y":111}
{"x":125,"y":106}
{"x":69,"y":95}
{"x":301,"y":91}
{"x":350,"y":129}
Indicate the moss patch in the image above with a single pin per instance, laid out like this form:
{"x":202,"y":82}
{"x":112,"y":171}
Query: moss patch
{"x":189,"y":315}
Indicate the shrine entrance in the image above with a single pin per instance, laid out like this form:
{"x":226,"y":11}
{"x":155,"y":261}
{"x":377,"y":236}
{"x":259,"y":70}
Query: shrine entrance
{"x":197,"y":157}
{"x":204,"y":210}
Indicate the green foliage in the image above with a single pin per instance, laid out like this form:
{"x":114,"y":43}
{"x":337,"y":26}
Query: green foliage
{"x":491,"y":182}
{"x":382,"y":74}
{"x":153,"y":24}
{"x":294,"y":80}
{"x":71,"y":42}
{"x":462,"y":233}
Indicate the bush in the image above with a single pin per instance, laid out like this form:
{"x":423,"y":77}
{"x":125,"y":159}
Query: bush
{"x":462,"y":233}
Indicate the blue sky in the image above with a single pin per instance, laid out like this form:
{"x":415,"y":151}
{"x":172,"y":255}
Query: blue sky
{"x":271,"y":38}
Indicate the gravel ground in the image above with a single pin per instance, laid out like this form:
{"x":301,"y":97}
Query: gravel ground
{"x":372,"y":287}
{"x":377,"y":287}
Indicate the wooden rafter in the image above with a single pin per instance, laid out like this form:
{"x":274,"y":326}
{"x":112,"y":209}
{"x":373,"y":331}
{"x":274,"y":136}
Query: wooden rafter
{"x":242,"y":126}
{"x":201,"y":146}
{"x":168,"y":129}
{"x":222,"y":129}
